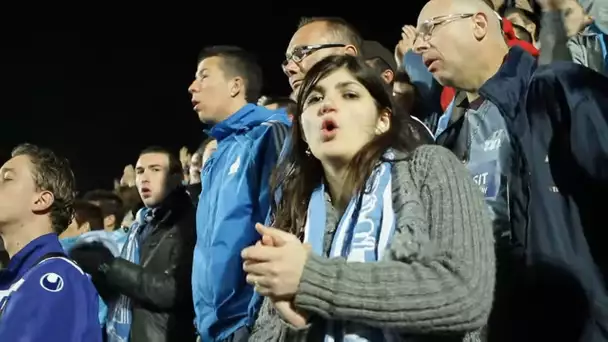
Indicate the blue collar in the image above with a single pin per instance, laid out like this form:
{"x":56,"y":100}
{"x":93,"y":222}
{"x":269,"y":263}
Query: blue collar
{"x":31,"y":253}
{"x":244,"y":119}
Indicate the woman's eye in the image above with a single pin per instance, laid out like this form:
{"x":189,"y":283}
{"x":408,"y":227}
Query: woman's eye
{"x":313,"y":99}
{"x":350,"y":95}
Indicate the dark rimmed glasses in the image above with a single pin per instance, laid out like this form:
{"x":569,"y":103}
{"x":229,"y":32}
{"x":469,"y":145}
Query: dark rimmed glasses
{"x":425,"y":30}
{"x":300,"y":52}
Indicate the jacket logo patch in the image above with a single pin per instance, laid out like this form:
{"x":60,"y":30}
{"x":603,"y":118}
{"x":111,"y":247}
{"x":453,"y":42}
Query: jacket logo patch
{"x":51,"y":282}
{"x":485,"y":176}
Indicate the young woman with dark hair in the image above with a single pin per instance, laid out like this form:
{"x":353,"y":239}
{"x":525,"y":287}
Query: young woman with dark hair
{"x":374,"y":237}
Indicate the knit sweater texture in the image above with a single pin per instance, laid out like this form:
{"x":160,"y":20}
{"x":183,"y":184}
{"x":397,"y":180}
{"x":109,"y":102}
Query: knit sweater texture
{"x":435,"y":284}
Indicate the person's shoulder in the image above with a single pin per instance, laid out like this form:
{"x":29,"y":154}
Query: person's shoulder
{"x":427,"y":160}
{"x":429,"y":153}
{"x":271,"y":133}
{"x":562,"y":70}
{"x":277,"y":123}
{"x":58,"y":275}
{"x":561,"y":80}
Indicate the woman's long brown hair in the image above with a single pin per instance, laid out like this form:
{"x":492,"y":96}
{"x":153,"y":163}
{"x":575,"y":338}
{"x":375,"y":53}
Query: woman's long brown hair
{"x":298,"y":173}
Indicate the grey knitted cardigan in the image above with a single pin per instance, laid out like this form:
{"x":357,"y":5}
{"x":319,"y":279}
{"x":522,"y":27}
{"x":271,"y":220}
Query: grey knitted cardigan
{"x":435,"y":284}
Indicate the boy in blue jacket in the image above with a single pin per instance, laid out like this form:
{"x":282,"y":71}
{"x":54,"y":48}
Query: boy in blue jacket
{"x":43,"y":295}
{"x":235,"y":190}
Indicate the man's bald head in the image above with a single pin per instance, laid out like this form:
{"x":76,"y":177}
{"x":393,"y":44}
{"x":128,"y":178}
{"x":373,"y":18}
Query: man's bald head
{"x":315,"y":39}
{"x":457,"y":38}
{"x":438,"y":8}
{"x":337,"y":28}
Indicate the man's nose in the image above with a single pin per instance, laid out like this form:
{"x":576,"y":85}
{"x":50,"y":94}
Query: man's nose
{"x":290,"y":68}
{"x":192,"y":87}
{"x":420,"y":45}
{"x":143,"y":178}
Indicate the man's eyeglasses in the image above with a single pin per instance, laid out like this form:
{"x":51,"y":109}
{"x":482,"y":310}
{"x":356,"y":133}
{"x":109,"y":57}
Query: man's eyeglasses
{"x":300,"y":52}
{"x":425,"y":30}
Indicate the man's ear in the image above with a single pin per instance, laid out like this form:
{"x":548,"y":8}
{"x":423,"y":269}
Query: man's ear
{"x":388,"y":76}
{"x":237,"y":86}
{"x":43,"y":201}
{"x":85,"y":227}
{"x":351,"y":50}
{"x":480,"y":25}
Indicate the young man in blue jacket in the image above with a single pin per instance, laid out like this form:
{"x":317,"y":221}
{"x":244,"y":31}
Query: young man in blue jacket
{"x":43,"y":295}
{"x":235,"y":191}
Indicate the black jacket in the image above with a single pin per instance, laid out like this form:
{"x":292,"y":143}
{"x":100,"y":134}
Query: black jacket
{"x":552,"y":280}
{"x":161,"y":290}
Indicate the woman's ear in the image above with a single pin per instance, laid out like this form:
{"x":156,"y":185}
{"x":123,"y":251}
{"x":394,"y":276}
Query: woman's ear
{"x":384,"y":122}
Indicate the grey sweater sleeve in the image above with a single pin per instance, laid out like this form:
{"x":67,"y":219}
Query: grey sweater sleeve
{"x":270,"y":327}
{"x":443,"y":284}
{"x":553,"y":39}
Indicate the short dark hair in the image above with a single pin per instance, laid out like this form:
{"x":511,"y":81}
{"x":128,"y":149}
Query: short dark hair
{"x":175,"y":166}
{"x":282,"y":102}
{"x":238,"y":62}
{"x":52,"y":173}
{"x":88,"y":212}
{"x":340,"y":28}
{"x":109,"y":203}
{"x":379,"y":65}
{"x":401,"y":76}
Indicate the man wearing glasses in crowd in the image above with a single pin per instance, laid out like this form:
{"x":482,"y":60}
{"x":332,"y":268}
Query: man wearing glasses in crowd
{"x":315,"y":39}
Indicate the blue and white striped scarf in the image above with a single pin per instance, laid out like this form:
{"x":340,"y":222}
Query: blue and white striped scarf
{"x":363,"y":235}
{"x":118,"y":326}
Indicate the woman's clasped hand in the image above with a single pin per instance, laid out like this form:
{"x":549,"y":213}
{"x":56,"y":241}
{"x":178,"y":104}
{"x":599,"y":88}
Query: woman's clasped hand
{"x":274,"y":266}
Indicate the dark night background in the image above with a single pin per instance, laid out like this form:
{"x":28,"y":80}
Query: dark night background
{"x":99,"y":89}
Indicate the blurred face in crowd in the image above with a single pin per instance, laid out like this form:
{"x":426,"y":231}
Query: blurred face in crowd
{"x":211,"y":91}
{"x":196,"y":163}
{"x":209,"y":149}
{"x":339,"y":117}
{"x":77,"y":227}
{"x":152,"y":178}
{"x":20,"y":199}
{"x":300,"y":57}
{"x":518,"y":19}
{"x":449,"y":37}
{"x":404,"y":95}
{"x":575,"y":18}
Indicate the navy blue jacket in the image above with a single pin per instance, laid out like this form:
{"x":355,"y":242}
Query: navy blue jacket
{"x":51,"y":300}
{"x":553,"y":262}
